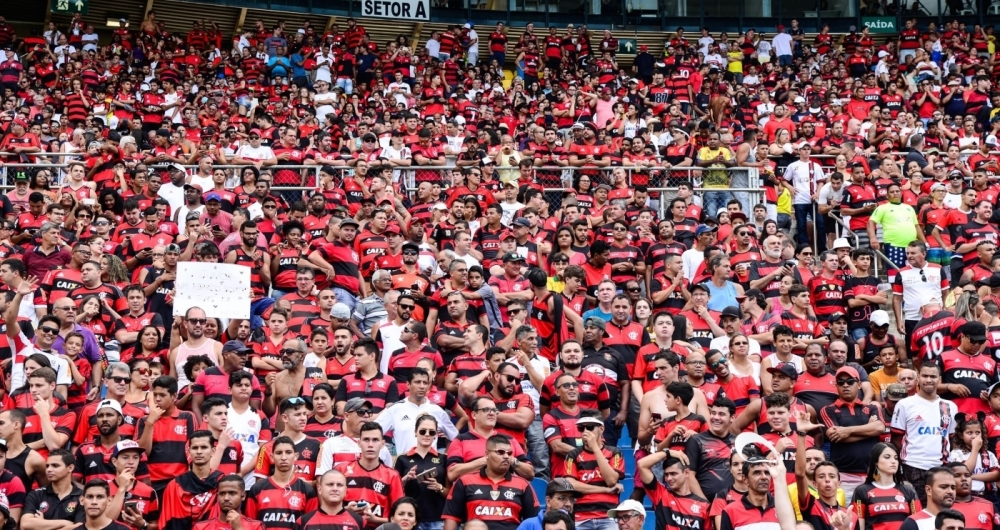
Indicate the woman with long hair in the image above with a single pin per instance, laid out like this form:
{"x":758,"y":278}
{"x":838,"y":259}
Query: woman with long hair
{"x":147,"y":346}
{"x":97,"y":317}
{"x":420,"y":459}
{"x":322,"y":423}
{"x":564,"y":245}
{"x":643,"y":313}
{"x":884,"y":481}
{"x":782,"y":302}
{"x":404,"y":513}
{"x":740,"y":362}
{"x":113,"y":271}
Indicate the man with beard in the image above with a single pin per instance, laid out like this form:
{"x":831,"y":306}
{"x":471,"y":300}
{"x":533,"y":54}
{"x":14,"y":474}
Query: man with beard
{"x":214,"y":380}
{"x":409,"y":278}
{"x":341,"y":363}
{"x":765,"y":274}
{"x":93,"y":458}
{"x":401,"y":418}
{"x":979,"y":513}
{"x":940,"y":491}
{"x":294,"y":379}
{"x":468,"y":451}
{"x":608,"y":364}
{"x":248,"y":254}
{"x":117,"y":377}
{"x":516,"y":408}
{"x":230,"y":497}
{"x":196,"y":344}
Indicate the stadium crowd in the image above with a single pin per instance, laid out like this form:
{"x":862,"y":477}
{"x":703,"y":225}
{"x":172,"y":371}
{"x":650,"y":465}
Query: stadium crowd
{"x":466,"y":279}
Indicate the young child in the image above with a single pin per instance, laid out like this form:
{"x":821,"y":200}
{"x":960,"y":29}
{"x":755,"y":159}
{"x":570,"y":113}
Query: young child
{"x":80,"y":370}
{"x":969,"y":446}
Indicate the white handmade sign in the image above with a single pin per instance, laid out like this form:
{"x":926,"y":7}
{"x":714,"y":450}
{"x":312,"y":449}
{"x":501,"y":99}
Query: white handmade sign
{"x":220,"y":289}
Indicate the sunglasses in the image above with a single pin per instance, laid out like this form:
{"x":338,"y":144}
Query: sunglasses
{"x":721,"y":361}
{"x":846,"y":382}
{"x":741,"y":344}
{"x":588,"y":427}
{"x":410,"y":253}
{"x":633,"y":289}
{"x":515,"y":311}
{"x":48,"y":330}
{"x":290,"y":351}
{"x":143,"y":371}
{"x":426,"y":432}
{"x":364,"y":412}
{"x":504,"y":452}
{"x":198,"y":321}
{"x":120,"y":380}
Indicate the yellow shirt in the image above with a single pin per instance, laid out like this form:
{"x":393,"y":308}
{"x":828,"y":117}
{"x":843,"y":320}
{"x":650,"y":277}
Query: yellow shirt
{"x":879,"y":380}
{"x":793,"y":490}
{"x":785,"y":202}
{"x":716,"y":178}
{"x":735,"y":57}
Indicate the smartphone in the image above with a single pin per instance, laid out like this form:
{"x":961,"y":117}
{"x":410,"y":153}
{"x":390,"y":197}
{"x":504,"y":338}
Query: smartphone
{"x":657,"y":416}
{"x":362,"y":504}
{"x":134,"y":505}
{"x":790,"y":264}
{"x":430,"y":473}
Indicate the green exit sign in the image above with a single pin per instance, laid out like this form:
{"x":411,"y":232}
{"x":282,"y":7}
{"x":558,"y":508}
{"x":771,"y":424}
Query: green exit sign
{"x":71,"y":6}
{"x":627,"y":46}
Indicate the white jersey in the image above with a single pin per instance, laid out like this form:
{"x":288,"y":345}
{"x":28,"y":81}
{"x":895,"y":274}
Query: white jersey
{"x":246,"y":428}
{"x":925,"y":431}
{"x":401,"y":419}
{"x":24,"y":348}
{"x":340,"y":445}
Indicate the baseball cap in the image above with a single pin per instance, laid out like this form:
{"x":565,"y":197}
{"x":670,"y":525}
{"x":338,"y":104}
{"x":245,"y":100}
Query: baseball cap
{"x":507,"y":234}
{"x":110,"y":404}
{"x":126,"y":445}
{"x":21,"y":176}
{"x":194,"y":187}
{"x":879,"y":317}
{"x":391,"y":228}
{"x":176,"y":167}
{"x":411,"y":246}
{"x":596,"y":322}
{"x":512,"y":256}
{"x":589,"y":420}
{"x":731,"y":311}
{"x":356,"y":404}
{"x":938,"y":186}
{"x":991,"y":140}
{"x":629,"y":505}
{"x":256,"y":131}
{"x":704,"y":229}
{"x":522,"y":221}
{"x":701,"y":286}
{"x":350,"y":221}
{"x":898,"y":391}
{"x":849,"y":371}
{"x":340,"y":310}
{"x":787,"y":369}
{"x":974,"y":331}
{"x":752,"y":293}
{"x":213,"y":197}
{"x":234,"y":345}
{"x":561,"y":485}
{"x":837,"y":316}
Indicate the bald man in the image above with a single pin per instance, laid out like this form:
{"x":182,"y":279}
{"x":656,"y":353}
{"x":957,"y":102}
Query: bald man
{"x":294,"y":376}
{"x":65,"y":308}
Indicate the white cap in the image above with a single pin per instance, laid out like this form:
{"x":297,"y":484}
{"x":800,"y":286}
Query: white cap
{"x":800,"y":99}
{"x":627,"y":506}
{"x":991,"y":140}
{"x":841,"y":242}
{"x":882,"y":54}
{"x":110,"y":404}
{"x":938,"y":186}
{"x":879,"y":317}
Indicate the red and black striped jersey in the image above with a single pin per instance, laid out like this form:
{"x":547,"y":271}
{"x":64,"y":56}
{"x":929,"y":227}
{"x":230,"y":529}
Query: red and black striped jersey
{"x":581,"y":465}
{"x":559,"y":424}
{"x":288,"y":264}
{"x":677,"y":512}
{"x":975,"y":372}
{"x":280,"y":506}
{"x":245,"y":523}
{"x":675,"y":301}
{"x":593,"y":392}
{"x":345,"y":263}
{"x":63,"y":420}
{"x":379,"y":487}
{"x":827,"y":295}
{"x":816,"y":390}
{"x":979,"y":513}
{"x":467,"y":365}
{"x":761,"y":269}
{"x":742,"y":515}
{"x":188,"y":499}
{"x":304,"y":308}
{"x":645,"y":371}
{"x":626,"y":340}
{"x":168,"y":456}
{"x":322,"y":430}
{"x":803,"y":328}
{"x":501,"y":505}
{"x":402,"y":362}
{"x":320,"y":520}
{"x":702,"y":331}
{"x":145,"y":500}
{"x":796,"y":405}
{"x":93,"y":460}
{"x":305,"y":465}
{"x":692,"y":422}
{"x":885,"y":508}
{"x":510,"y":406}
{"x":12,"y":487}
{"x":380,"y":390}
{"x":336,"y":369}
{"x":931,"y":337}
{"x":256,"y":280}
{"x":86,"y":428}
{"x":369,"y":247}
{"x":818,"y":513}
{"x":106,"y":291}
{"x":722,"y":500}
{"x":471,"y":445}
{"x":232,"y":458}
{"x":59,"y":283}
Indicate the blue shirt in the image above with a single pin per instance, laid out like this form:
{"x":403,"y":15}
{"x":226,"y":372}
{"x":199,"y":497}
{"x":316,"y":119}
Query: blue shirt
{"x":596,"y":312}
{"x":91,"y":351}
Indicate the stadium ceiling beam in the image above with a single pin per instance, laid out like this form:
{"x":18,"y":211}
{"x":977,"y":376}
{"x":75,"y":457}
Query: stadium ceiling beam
{"x":241,"y":20}
{"x":329,"y":24}
{"x":149,"y":7}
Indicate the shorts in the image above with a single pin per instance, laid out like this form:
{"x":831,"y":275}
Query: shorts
{"x":938,"y":255}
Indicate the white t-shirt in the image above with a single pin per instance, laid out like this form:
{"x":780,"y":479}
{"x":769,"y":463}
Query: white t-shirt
{"x":826,"y":194}
{"x":924,"y":432}
{"x":25,"y":349}
{"x":782,"y":44}
{"x":246,"y":430}
{"x":342,"y":444}
{"x":804,"y":176}
{"x":389,"y":334}
{"x":256,"y":154}
{"x":704,"y":43}
{"x":692,"y":259}
{"x":961,"y":455}
{"x":174,"y":195}
{"x":401,"y":419}
{"x":433,"y":47}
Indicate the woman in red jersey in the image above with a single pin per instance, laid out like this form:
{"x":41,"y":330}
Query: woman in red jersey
{"x":884,"y":501}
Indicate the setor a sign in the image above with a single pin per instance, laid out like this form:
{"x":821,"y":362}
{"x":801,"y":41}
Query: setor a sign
{"x":397,"y":9}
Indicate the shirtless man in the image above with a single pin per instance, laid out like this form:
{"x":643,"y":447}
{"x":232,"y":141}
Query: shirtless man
{"x":654,"y":405}
{"x":289,"y":381}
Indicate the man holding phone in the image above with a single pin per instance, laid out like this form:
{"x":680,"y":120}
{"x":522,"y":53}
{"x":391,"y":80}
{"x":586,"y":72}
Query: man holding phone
{"x":141,"y":510}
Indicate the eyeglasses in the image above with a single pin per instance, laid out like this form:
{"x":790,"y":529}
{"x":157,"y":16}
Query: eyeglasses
{"x":695,"y":363}
{"x":48,"y":331}
{"x":515,"y":311}
{"x":741,"y":343}
{"x":426,"y":432}
{"x":846,"y":382}
{"x":571,"y":384}
{"x":158,"y":255}
{"x":560,"y":262}
{"x":65,"y":308}
{"x":721,"y":361}
{"x":504,"y":452}
{"x":488,"y":411}
{"x":198,"y":321}
{"x":620,"y":229}
{"x":624,"y":518}
{"x":290,"y":351}
{"x":977,"y":341}
{"x":120,"y":380}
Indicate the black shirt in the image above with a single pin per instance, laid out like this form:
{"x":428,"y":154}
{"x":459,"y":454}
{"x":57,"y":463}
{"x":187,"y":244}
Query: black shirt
{"x":44,"y":501}
{"x":430,"y":504}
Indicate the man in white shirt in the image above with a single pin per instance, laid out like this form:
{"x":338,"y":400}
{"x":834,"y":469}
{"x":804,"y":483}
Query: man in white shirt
{"x":173,"y":191}
{"x":782,"y":44}
{"x":830,"y":197}
{"x":433,"y":45}
{"x":344,"y":447}
{"x":473,"y":44}
{"x":921,"y":426}
{"x":401,"y":418}
{"x":398,"y":89}
{"x":693,"y":257}
{"x":255,"y":153}
{"x":45,"y":338}
{"x":805,"y":177}
{"x":705,"y":42}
